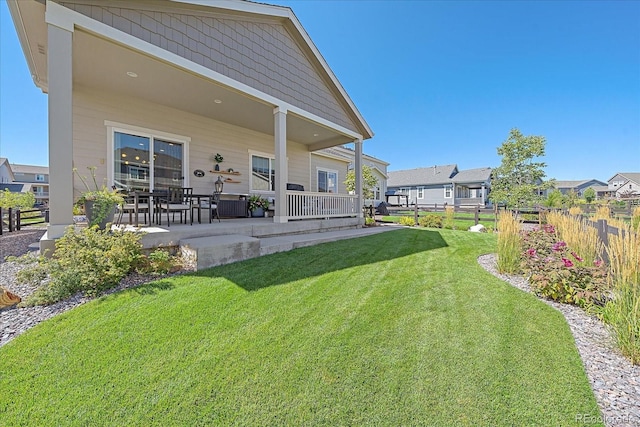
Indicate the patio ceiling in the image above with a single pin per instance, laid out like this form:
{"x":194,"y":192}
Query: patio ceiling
{"x":102,"y":64}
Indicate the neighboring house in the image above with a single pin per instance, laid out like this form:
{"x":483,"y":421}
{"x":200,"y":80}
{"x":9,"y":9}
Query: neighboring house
{"x":329,"y":168}
{"x":624,"y":185}
{"x":602,"y":191}
{"x":440,"y":184}
{"x":578,"y":187}
{"x":6,"y":172}
{"x":34,"y":179}
{"x":150,"y":91}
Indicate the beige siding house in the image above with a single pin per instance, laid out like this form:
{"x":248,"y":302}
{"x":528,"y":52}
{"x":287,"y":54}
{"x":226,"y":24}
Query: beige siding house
{"x":334,"y":164}
{"x":149,"y":91}
{"x":6,"y":172}
{"x":34,"y":179}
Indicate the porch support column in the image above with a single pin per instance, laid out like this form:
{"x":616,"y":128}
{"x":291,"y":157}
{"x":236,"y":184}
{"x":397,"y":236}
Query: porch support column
{"x":60,"y":86}
{"x":282,"y":174}
{"x":358,"y":176}
{"x":483,"y":194}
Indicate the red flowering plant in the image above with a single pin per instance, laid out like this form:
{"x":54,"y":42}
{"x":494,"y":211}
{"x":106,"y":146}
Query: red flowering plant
{"x":560,"y":274}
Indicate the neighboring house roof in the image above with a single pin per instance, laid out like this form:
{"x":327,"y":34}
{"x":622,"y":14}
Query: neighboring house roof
{"x":14,"y":188}
{"x":630,"y":176}
{"x":422,"y":176}
{"x":473,"y":175}
{"x":434,"y":175}
{"x":600,"y":188}
{"x":569,"y":184}
{"x":577,"y":183}
{"x":42,"y":170}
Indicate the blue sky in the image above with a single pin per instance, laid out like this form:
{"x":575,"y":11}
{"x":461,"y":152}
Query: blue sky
{"x":444,"y":82}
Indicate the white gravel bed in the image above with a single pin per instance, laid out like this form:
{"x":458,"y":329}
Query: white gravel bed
{"x":615,"y":381}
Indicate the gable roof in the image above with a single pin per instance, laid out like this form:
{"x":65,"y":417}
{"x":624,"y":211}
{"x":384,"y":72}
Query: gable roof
{"x":44,"y":170}
{"x":312,"y":92}
{"x":5,"y":161}
{"x":435,"y":175}
{"x":422,"y":176}
{"x":629,"y":176}
{"x":473,"y":175}
{"x":576,"y":183}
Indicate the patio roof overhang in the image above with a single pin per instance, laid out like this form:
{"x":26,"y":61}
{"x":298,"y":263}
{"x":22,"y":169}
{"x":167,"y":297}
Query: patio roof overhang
{"x":104,"y":58}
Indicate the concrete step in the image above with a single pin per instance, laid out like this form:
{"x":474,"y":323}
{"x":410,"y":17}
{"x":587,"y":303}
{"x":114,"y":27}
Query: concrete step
{"x":207,"y":252}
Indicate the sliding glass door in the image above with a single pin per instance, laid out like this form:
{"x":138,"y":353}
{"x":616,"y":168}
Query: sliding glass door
{"x":136,"y":168}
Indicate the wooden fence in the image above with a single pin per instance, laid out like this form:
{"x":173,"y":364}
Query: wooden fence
{"x":415,"y":211}
{"x":13,"y":219}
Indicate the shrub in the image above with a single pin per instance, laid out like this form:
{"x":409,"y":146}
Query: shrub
{"x":89,"y":261}
{"x":558,"y":273}
{"x":508,"y":243}
{"x":369,"y":222}
{"x":16,"y":200}
{"x":431,"y":221}
{"x":158,"y":262}
{"x":407,"y":220}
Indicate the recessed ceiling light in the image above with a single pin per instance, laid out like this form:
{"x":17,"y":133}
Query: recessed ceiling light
{"x":131,"y":74}
{"x":316,"y":134}
{"x":124,"y":155}
{"x":217,"y":101}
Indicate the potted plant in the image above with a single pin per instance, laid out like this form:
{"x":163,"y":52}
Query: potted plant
{"x":99,"y":202}
{"x":218,"y":159}
{"x":257,"y":205}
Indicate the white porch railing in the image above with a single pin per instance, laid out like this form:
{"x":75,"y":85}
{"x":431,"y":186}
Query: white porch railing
{"x":304,"y":204}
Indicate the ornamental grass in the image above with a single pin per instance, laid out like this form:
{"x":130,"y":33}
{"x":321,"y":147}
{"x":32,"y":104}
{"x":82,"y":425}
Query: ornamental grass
{"x":509,"y":247}
{"x":622,"y":313}
{"x":579,"y":236}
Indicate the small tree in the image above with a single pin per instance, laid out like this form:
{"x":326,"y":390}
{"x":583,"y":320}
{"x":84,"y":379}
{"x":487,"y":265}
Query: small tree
{"x":518,"y":181}
{"x":17,"y":200}
{"x":571,"y":199}
{"x":589,"y":195}
{"x":369,"y":181}
{"x":554,"y":199}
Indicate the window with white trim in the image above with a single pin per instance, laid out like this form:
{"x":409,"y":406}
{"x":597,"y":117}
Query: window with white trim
{"x":263,"y":173}
{"x":327,"y":181}
{"x":448,"y":192}
{"x":420,"y":192}
{"x":39,"y":177}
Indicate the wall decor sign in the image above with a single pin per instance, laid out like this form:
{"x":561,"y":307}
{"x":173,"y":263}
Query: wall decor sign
{"x":199,"y":173}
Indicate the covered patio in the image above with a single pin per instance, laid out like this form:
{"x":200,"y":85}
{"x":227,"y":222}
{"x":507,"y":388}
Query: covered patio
{"x":180,"y":82}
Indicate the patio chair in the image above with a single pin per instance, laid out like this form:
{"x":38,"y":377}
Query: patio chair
{"x":210,"y":204}
{"x":129,"y":207}
{"x":177,"y":199}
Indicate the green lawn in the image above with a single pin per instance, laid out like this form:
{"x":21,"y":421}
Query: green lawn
{"x":399,"y":328}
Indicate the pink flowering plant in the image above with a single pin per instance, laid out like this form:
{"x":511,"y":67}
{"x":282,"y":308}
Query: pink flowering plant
{"x":560,"y":274}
